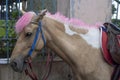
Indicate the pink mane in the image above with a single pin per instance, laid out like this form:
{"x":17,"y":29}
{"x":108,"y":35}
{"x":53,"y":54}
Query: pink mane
{"x":72,"y":21}
{"x":23,"y":21}
{"x":26,"y":18}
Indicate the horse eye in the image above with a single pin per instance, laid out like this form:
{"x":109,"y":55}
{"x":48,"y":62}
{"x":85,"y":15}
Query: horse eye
{"x":28,"y":34}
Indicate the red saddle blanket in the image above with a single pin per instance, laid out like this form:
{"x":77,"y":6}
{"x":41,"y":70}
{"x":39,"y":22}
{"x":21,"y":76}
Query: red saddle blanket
{"x":106,"y":54}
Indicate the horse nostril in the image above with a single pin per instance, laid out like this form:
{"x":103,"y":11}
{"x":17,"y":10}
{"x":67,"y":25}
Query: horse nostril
{"x":14,"y":64}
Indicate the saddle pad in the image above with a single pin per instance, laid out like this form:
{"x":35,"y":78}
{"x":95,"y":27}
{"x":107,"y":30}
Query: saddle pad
{"x":105,"y":52}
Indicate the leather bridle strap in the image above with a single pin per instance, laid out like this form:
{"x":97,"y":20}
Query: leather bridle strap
{"x":48,"y":65}
{"x":39,"y":29}
{"x":32,"y":75}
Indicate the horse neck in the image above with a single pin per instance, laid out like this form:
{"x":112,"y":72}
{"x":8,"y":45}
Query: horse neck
{"x":56,"y":37}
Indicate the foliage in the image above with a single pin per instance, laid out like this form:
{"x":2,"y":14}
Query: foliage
{"x":113,"y":9}
{"x":4,"y":29}
{"x":3,"y":34}
{"x":117,"y":1}
{"x":15,"y":14}
{"x":116,"y":22}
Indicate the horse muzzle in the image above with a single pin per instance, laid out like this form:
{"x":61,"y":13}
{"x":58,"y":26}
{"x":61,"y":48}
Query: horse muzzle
{"x":18,"y":64}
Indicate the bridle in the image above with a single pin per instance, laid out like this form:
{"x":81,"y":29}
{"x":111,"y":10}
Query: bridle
{"x":39,"y":30}
{"x":28,"y":61}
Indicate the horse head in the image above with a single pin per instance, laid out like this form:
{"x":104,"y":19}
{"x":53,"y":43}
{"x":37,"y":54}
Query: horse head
{"x":29,"y":41}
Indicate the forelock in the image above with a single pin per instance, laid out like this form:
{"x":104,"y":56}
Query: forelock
{"x":24,"y":21}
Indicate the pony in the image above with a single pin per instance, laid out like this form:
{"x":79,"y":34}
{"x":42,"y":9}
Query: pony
{"x":77,"y":43}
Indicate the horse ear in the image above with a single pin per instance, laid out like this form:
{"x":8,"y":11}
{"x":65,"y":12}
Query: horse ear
{"x":22,"y":11}
{"x":40,"y":15}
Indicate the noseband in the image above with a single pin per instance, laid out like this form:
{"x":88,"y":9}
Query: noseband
{"x":39,"y":30}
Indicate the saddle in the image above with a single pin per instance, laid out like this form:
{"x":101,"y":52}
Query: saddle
{"x":113,"y":41}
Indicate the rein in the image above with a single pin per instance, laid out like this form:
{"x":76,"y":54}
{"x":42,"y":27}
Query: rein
{"x":32,"y":75}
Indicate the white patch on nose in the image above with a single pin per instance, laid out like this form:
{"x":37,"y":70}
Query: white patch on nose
{"x":92,"y":37}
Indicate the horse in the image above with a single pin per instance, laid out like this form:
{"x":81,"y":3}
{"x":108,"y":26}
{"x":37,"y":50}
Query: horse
{"x":77,"y":43}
